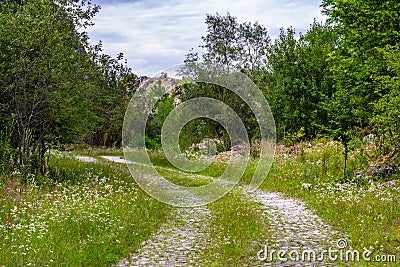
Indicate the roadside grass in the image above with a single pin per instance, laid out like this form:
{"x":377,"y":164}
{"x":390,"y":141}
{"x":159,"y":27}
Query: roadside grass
{"x":187,"y":180}
{"x":363,"y":209}
{"x":94,"y":215}
{"x":97,"y":151}
{"x":171,"y":174}
{"x":238,"y":231}
{"x":368,"y":212}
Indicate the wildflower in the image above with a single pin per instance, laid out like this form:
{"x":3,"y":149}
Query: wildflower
{"x":306,"y":186}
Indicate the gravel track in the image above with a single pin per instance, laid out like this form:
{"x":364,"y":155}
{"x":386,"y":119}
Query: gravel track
{"x":180,"y":241}
{"x":295,"y":228}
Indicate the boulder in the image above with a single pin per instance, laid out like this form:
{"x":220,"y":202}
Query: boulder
{"x":376,"y":172}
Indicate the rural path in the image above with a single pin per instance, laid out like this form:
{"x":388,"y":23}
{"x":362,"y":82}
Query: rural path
{"x":295,"y":228}
{"x":178,"y":242}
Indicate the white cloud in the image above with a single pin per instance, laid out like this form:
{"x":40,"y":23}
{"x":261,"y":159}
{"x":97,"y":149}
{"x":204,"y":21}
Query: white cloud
{"x":154,"y":35}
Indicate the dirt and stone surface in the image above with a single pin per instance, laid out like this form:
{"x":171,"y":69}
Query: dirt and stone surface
{"x":296,"y":229}
{"x":181,"y":240}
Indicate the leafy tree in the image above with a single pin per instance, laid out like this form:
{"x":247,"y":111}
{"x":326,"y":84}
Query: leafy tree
{"x":232,"y":46}
{"x":240,"y":46}
{"x":115,"y":86}
{"x":43,"y":68}
{"x":386,"y":119}
{"x":297,"y":81}
{"x":220,"y":41}
{"x":358,"y":65}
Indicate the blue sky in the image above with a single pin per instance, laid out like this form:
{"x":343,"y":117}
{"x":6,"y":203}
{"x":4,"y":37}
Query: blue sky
{"x":154,"y":35}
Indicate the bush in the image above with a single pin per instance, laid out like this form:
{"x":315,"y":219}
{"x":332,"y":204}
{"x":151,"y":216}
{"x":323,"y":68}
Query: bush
{"x":153,"y":143}
{"x":7,"y":152}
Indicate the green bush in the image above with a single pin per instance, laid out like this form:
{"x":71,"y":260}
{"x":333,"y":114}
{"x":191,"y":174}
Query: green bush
{"x":8,"y":153}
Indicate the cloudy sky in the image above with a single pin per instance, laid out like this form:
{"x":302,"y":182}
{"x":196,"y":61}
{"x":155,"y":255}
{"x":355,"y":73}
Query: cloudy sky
{"x":156,"y":34}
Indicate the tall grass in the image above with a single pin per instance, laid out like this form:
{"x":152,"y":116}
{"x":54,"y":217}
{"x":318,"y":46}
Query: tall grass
{"x":364,"y":209}
{"x":92,"y":215}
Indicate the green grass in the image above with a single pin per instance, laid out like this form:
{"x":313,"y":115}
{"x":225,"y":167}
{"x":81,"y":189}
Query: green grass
{"x":365,"y":211}
{"x":183,"y":180}
{"x":97,"y":151}
{"x":238,"y":230}
{"x":171,"y":174}
{"x":93,"y":216}
{"x":368,"y":213}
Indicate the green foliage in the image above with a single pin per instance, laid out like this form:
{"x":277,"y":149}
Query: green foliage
{"x":359,"y":64}
{"x":44,"y":71}
{"x":386,"y":121}
{"x":8,"y":153}
{"x":298,"y":81}
{"x":235,"y":45}
{"x":115,"y":87}
{"x":156,"y":121}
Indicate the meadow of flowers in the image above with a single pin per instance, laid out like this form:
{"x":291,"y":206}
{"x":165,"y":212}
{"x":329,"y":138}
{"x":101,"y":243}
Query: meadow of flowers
{"x":368,"y":210}
{"x":93,"y":215}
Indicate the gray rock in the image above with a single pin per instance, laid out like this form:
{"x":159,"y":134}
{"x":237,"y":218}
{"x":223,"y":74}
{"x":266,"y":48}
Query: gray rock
{"x":390,"y":183}
{"x":376,"y":172}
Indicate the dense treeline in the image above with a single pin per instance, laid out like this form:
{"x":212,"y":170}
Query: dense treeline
{"x":55,"y":87}
{"x":338,"y":80}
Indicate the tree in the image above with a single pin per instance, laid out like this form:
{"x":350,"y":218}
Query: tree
{"x":241,"y":46}
{"x":386,"y":120}
{"x":220,"y":41}
{"x":296,"y":81}
{"x":358,"y":65}
{"x":231,"y":46}
{"x":44,"y":67}
{"x":115,"y":87}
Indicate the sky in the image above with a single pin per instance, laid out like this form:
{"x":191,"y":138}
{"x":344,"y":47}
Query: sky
{"x":157,"y":34}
